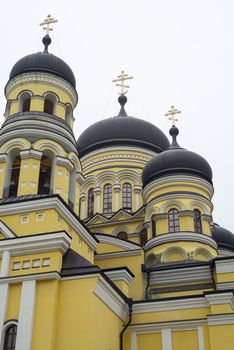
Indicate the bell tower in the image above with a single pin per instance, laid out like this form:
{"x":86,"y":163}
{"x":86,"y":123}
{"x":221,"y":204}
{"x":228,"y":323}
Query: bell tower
{"x":38,"y":151}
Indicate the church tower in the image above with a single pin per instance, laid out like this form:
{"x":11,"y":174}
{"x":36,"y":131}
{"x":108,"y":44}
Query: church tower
{"x":107,"y":242}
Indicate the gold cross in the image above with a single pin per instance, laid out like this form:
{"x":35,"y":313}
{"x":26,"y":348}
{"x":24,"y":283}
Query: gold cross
{"x":46,"y":24}
{"x":172,"y":115}
{"x":121,"y":78}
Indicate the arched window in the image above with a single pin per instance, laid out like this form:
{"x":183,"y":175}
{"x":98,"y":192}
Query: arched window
{"x":45,"y":175}
{"x":173,"y":220}
{"x":197,"y":221}
{"x":24,"y":101}
{"x":14,"y":179}
{"x":91,"y":202}
{"x":48,"y":106}
{"x":10,"y":338}
{"x":127,"y":197}
{"x":122,"y":235}
{"x":107,"y":199}
{"x":50,"y":103}
{"x":26,"y":105}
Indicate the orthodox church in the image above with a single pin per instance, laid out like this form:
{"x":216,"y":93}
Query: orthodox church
{"x":106,"y":242}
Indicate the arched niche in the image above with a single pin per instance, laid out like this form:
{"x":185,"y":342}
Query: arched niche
{"x":24,"y":101}
{"x":46,"y":174}
{"x":174,"y":254}
{"x":50,"y":103}
{"x":11,"y":182}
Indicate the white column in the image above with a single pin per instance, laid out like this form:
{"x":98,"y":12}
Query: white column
{"x":26,"y":316}
{"x":97,"y":192}
{"x":137,"y":190}
{"x":82,"y":205}
{"x":200,"y":338}
{"x":133,"y":341}
{"x":4,"y":288}
{"x":6,"y":257}
{"x":166,"y":339}
{"x":117,"y":190}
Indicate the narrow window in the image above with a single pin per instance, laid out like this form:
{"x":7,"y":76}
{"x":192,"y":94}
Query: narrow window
{"x":127,"y":197}
{"x":10,"y":338}
{"x":90,"y":202}
{"x":45,"y":176}
{"x":122,"y":235}
{"x":26,"y":105}
{"x":143,"y":237}
{"x":153,"y":225}
{"x":107,"y":199}
{"x":197,"y":221}
{"x":48,"y":106}
{"x":14,"y":180}
{"x":173,"y":220}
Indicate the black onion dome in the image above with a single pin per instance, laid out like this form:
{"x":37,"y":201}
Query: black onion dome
{"x":223,"y":238}
{"x":122,"y":131}
{"x":175,"y":161}
{"x":44,"y":62}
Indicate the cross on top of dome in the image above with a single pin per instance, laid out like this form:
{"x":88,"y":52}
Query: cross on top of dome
{"x":121,"y":78}
{"x":46,"y":24}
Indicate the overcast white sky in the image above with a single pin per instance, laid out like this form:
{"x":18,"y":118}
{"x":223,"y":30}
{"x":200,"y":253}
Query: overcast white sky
{"x":179,"y":52}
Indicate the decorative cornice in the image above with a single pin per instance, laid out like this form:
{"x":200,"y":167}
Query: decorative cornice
{"x":111,"y":298}
{"x":54,"y":275}
{"x":118,"y":149}
{"x":58,"y":241}
{"x":32,"y":77}
{"x":108,"y":239}
{"x":180,"y":237}
{"x":220,"y":319}
{"x":118,"y":254}
{"x":119,"y":275}
{"x":31,"y":153}
{"x":166,"y":182}
{"x":49,"y":203}
{"x":64,"y":162}
{"x":224,"y":266}
{"x":3,"y":158}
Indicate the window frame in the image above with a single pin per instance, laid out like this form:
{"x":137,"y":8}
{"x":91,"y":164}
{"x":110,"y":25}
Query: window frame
{"x":7,"y":326}
{"x":107,"y":199}
{"x":197,"y":221}
{"x":173,"y":220}
{"x":127,"y":197}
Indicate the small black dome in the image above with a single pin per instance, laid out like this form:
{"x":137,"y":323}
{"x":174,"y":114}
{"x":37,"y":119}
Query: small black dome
{"x":223,"y":238}
{"x":176,"y":161}
{"x":122,"y":130}
{"x":44,"y":62}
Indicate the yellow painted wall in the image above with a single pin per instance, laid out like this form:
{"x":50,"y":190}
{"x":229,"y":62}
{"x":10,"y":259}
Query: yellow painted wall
{"x":184,"y":340}
{"x":221,"y":337}
{"x":149,"y":341}
{"x":14,"y":302}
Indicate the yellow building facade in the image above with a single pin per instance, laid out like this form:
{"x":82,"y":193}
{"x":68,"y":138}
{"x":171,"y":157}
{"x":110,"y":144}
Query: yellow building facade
{"x":106,"y":242}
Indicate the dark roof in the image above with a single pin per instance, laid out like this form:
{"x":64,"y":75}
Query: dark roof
{"x":43,"y":62}
{"x":223,"y":238}
{"x":174,"y":161}
{"x":118,"y":131}
{"x":74,"y":264}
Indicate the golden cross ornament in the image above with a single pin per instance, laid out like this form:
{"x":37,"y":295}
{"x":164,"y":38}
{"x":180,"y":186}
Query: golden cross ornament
{"x":172,"y":113}
{"x":121,"y":78}
{"x":46,"y":24}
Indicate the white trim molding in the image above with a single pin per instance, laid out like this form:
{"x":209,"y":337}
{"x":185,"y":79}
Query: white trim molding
{"x":224,"y":266}
{"x":221,"y":319}
{"x":58,"y":241}
{"x":178,"y":237}
{"x":111,"y":298}
{"x":50,"y":203}
{"x":108,"y":239}
{"x":118,"y":254}
{"x":166,"y":339}
{"x":120,"y":275}
{"x":6,"y":231}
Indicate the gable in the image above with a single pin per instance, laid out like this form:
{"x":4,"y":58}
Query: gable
{"x":5,"y":232}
